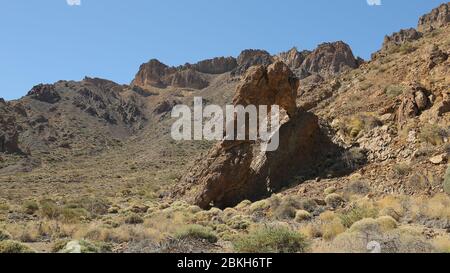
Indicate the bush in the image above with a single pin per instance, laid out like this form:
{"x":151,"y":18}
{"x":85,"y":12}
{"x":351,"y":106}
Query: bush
{"x":14,"y":247}
{"x":134,"y":219}
{"x":73,"y":215}
{"x":432,"y":134}
{"x":387,"y":223}
{"x":50,"y":209}
{"x":334,"y":200}
{"x":356,"y":214}
{"x":197,"y":232}
{"x":287,"y":209}
{"x":357,"y":187}
{"x":302,"y":215}
{"x":272,"y":240}
{"x":30,"y":207}
{"x":367,"y":225}
{"x":4,"y":235}
{"x":447,"y":181}
{"x":393,"y":91}
{"x":402,"y":169}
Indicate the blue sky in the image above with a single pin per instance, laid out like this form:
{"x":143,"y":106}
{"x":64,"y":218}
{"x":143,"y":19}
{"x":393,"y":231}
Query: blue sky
{"x":42,"y":41}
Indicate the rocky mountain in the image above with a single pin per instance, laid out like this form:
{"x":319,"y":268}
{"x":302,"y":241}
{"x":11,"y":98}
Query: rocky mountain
{"x":364,"y":148}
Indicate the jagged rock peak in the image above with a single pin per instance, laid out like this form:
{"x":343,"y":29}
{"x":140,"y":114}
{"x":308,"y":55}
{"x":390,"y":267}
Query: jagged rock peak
{"x":293,"y":58}
{"x":251,"y":57}
{"x":437,"y":18}
{"x":329,"y":59}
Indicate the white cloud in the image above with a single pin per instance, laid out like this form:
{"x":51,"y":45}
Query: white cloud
{"x":374,"y":2}
{"x":73,"y":2}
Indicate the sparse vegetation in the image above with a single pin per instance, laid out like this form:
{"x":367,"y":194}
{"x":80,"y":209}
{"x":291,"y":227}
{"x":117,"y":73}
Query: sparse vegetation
{"x":197,"y":232}
{"x":393,"y":91}
{"x":272,"y":240}
{"x":13,"y":247}
{"x":433,"y":134}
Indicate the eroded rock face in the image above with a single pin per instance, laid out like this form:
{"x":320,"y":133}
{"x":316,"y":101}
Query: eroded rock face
{"x":216,"y":66}
{"x":9,"y":133}
{"x":44,"y":93}
{"x":414,"y":101}
{"x":435,"y":56}
{"x":157,"y":74}
{"x":251,"y":57}
{"x":188,"y":79}
{"x":293,"y":58}
{"x":273,"y":85}
{"x":233,"y":171}
{"x":153,"y":73}
{"x":329,"y":59}
{"x":401,"y":37}
{"x":437,"y":18}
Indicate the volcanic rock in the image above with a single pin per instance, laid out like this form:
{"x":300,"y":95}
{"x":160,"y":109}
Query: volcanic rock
{"x":437,"y":18}
{"x":329,"y":59}
{"x":234,"y":171}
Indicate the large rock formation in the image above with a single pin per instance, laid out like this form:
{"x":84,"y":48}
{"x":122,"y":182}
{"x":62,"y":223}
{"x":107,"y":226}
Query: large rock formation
{"x":437,"y":18}
{"x":153,"y":73}
{"x":45,"y":93}
{"x":216,"y":66}
{"x":329,"y":59}
{"x":401,"y":37}
{"x":233,"y":171}
{"x":156,"y":74}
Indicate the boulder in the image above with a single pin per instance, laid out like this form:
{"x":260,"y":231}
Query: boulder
{"x":439,"y":159}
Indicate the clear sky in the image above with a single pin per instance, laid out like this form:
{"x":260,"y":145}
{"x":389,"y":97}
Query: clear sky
{"x":42,"y":41}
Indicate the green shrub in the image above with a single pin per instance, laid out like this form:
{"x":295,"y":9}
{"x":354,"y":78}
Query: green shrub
{"x":50,"y":209}
{"x":30,"y":207}
{"x":73,"y":215}
{"x":272,"y":240}
{"x":356,"y":214}
{"x":433,"y":134}
{"x":287,"y":208}
{"x":14,"y":247}
{"x":302,"y":215}
{"x":447,"y":181}
{"x":357,"y":187}
{"x":134,"y":219}
{"x":4,"y":235}
{"x":402,"y":169}
{"x":393,"y":91}
{"x":407,"y":48}
{"x":334,"y":200}
{"x":197,"y":232}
